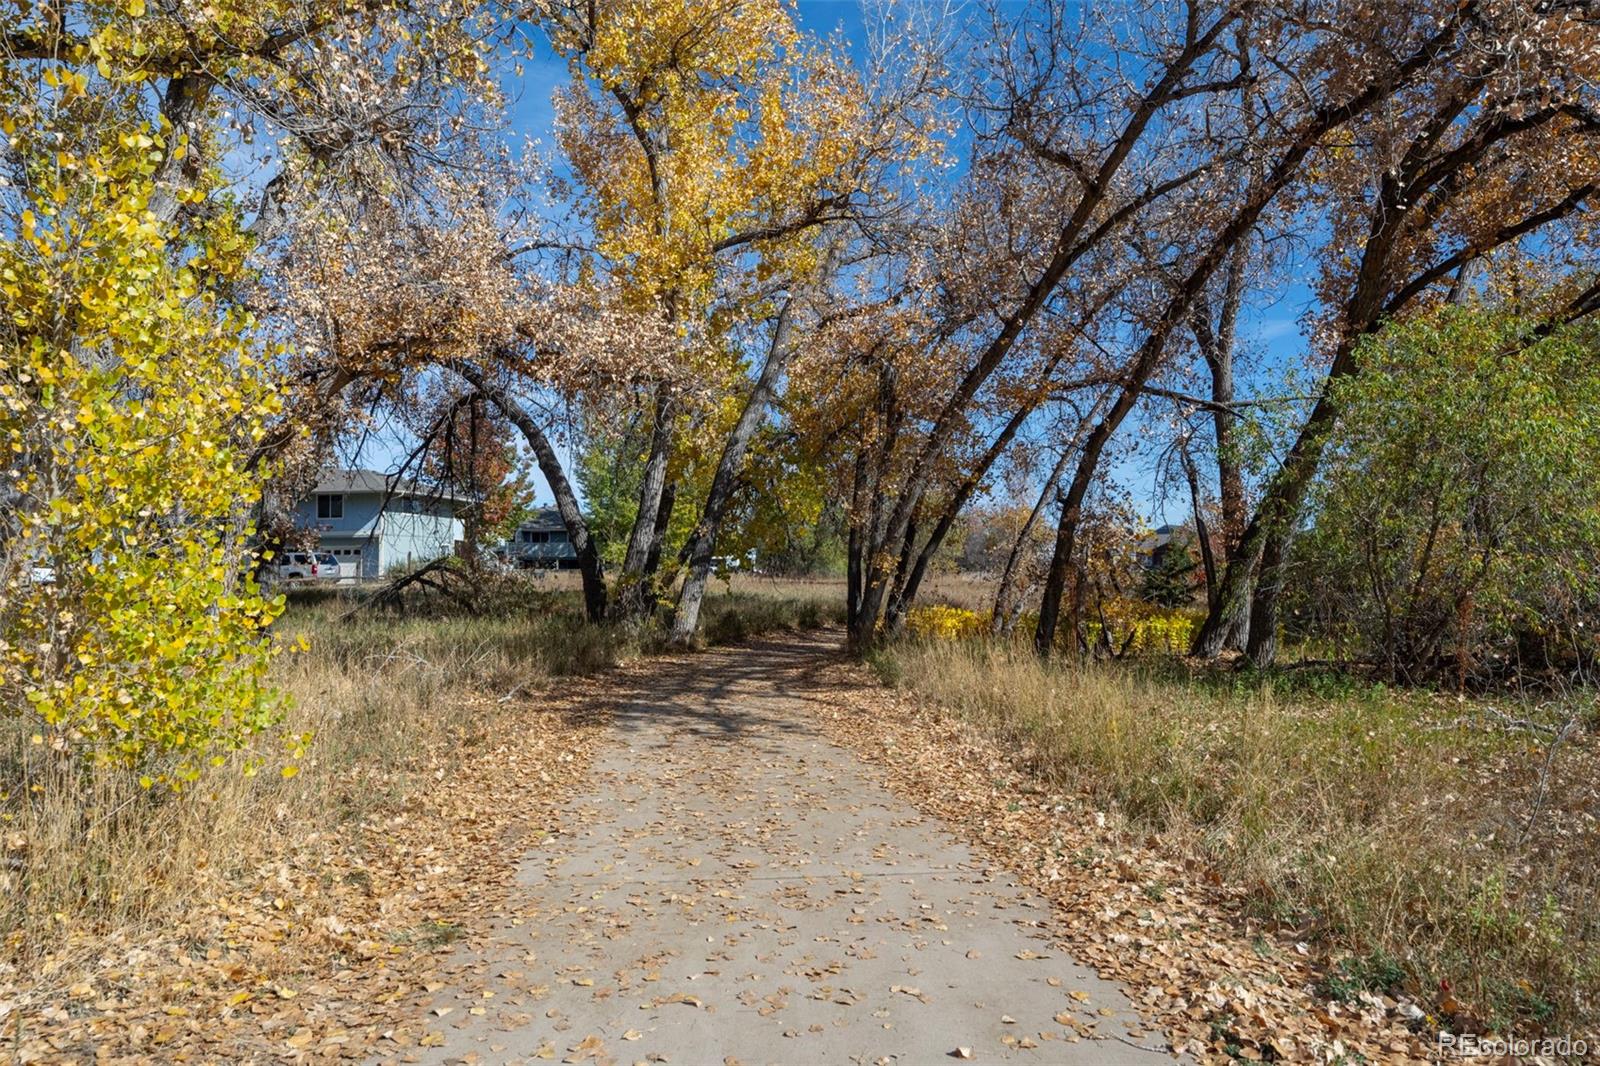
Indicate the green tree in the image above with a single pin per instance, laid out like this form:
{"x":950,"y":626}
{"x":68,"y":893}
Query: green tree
{"x":1457,"y":527}
{"x":1169,"y":581}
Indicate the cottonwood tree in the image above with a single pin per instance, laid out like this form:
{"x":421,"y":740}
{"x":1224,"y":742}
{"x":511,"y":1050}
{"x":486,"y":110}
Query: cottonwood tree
{"x":1088,"y":127}
{"x":443,"y":291}
{"x":1352,"y":81}
{"x":1488,"y":141}
{"x":710,"y":144}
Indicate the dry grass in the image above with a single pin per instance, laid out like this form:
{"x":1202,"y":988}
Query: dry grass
{"x":89,"y":853}
{"x":98,"y":854}
{"x":1415,"y":838}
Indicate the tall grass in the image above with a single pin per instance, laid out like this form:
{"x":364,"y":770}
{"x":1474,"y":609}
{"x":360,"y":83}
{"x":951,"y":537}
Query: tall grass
{"x":88,"y":851}
{"x":1380,"y":824}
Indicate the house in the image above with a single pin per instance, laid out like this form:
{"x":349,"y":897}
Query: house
{"x":541,"y":542}
{"x":1153,"y":548}
{"x":375,"y":523}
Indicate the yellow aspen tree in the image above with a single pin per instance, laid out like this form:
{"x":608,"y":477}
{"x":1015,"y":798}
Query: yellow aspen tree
{"x":135,"y":386}
{"x":712,"y":143}
{"x":132,"y":389}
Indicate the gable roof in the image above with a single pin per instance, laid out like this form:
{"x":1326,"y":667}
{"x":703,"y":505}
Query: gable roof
{"x":355,"y":482}
{"x":543,"y":518}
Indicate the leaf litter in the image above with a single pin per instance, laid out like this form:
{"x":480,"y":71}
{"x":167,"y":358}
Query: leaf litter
{"x":1193,"y":965}
{"x":314,"y":951}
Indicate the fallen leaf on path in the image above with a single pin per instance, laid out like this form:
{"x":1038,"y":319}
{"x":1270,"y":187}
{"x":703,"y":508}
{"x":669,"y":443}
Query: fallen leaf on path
{"x":589,"y":1047}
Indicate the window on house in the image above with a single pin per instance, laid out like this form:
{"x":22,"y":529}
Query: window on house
{"x":330,"y":506}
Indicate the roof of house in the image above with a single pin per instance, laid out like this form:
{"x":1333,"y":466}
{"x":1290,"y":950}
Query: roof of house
{"x":359,"y":481}
{"x":543,"y":518}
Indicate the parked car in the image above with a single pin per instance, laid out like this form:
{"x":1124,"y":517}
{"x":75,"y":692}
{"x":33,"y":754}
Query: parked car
{"x":307,"y":566}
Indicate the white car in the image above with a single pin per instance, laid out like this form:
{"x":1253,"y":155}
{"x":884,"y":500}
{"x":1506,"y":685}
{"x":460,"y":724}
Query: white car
{"x":307,"y":566}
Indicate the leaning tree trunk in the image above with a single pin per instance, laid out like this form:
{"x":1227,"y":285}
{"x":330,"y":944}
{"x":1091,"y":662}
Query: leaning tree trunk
{"x":1263,"y":643}
{"x":877,"y":529}
{"x":1265,"y":542}
{"x":1063,"y":558}
{"x":1217,"y":346}
{"x":1055,"y":582}
{"x":1178,"y":309}
{"x":1007,"y":599}
{"x":703,"y":541}
{"x":658,"y":538}
{"x":590,"y":568}
{"x":909,"y":580}
{"x":636,"y":592}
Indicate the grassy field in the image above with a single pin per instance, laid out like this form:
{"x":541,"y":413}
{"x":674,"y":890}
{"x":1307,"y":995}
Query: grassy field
{"x":1439,"y":849}
{"x":90,"y":853}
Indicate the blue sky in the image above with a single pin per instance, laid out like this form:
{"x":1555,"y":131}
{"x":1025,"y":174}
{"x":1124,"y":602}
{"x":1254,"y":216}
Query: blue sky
{"x":1270,"y":329}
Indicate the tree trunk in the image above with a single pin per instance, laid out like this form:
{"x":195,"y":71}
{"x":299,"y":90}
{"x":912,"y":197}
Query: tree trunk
{"x":636,"y":594}
{"x":658,"y":537}
{"x":881,"y":528}
{"x":853,"y":547}
{"x":1263,"y":643}
{"x":590,"y":568}
{"x":1055,"y":582}
{"x":1061,"y":559}
{"x":183,"y":104}
{"x":865,"y":631}
{"x":1266,"y":538}
{"x":1007,"y":600}
{"x":703,"y":541}
{"x":906,"y":590}
{"x":1217,"y":344}
{"x":1208,"y":558}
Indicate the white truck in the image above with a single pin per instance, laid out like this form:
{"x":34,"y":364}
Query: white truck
{"x":306,"y":566}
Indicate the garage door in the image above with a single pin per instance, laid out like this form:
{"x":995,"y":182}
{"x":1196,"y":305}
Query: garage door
{"x":349,"y":562}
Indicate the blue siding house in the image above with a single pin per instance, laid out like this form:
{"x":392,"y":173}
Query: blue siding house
{"x":375,"y":523}
{"x":541,"y":543}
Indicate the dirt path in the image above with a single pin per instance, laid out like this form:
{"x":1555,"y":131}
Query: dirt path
{"x":736,"y":888}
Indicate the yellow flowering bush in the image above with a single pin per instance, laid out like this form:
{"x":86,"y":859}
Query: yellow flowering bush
{"x":944,"y":622}
{"x":132,"y":390}
{"x":1143,"y":628}
{"x":1153,"y":630}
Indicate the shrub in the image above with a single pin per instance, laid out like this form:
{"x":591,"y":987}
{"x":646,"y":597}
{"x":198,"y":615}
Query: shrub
{"x":943,"y":622}
{"x":1457,"y":525}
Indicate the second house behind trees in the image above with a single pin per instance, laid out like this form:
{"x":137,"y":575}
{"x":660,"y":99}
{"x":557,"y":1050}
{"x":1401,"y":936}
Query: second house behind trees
{"x":541,"y":543}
